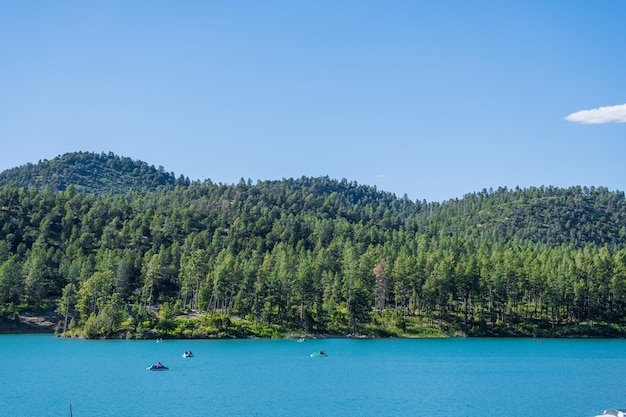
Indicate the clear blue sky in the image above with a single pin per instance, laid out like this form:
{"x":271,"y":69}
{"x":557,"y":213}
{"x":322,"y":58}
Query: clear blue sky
{"x":433,"y":99}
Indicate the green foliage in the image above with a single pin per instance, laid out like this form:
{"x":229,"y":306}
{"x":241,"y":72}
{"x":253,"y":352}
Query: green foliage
{"x":121,"y":247}
{"x":90,"y":172}
{"x":165,"y":321}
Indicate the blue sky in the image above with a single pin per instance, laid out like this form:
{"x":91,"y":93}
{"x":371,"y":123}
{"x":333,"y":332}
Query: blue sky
{"x":433,"y":99}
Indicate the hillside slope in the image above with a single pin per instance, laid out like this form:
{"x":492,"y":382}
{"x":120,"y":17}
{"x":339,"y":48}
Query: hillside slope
{"x":90,"y":172}
{"x":129,"y":249}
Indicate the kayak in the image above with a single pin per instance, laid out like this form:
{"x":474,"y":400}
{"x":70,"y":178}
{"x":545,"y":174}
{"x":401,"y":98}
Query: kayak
{"x":157,"y":368}
{"x":318,"y":355}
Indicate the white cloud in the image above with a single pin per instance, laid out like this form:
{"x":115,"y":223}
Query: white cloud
{"x":609,"y":114}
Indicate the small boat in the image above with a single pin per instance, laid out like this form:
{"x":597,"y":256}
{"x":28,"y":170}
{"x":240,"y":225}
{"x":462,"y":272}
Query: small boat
{"x":319,"y":354}
{"x":157,"y":367}
{"x":301,"y":340}
{"x":613,"y":412}
{"x":187,"y":354}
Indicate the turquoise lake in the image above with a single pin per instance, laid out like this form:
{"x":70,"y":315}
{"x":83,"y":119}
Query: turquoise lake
{"x":41,"y":375}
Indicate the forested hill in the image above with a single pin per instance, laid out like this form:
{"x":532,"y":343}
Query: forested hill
{"x":90,"y":172}
{"x":116,"y":245}
{"x":575,"y":216}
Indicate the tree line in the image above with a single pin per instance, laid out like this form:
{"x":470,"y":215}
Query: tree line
{"x":315,"y":255}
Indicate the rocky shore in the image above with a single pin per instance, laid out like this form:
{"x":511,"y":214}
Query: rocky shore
{"x":41,"y":322}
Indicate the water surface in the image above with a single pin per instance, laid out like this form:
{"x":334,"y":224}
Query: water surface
{"x":41,"y":375}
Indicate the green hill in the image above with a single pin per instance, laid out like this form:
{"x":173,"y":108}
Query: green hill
{"x":119,"y":248}
{"x":91,"y":172}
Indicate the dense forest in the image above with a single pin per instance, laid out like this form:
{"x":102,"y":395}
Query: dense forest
{"x":91,"y":172}
{"x":122,"y":249}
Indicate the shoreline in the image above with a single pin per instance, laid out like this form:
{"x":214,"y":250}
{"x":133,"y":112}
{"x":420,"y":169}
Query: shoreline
{"x":25,"y":323}
{"x":49,"y":321}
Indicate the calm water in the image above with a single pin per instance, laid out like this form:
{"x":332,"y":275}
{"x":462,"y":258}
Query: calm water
{"x":41,"y":375}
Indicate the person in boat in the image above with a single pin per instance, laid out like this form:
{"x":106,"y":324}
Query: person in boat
{"x":159,"y":365}
{"x":322,"y":353}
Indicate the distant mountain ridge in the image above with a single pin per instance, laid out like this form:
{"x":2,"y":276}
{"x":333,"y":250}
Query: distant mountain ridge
{"x":91,"y":172}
